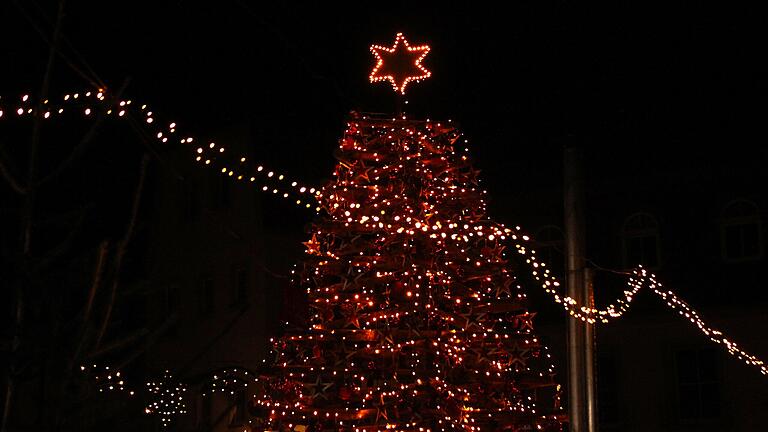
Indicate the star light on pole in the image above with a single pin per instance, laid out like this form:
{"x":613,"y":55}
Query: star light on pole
{"x":399,"y":64}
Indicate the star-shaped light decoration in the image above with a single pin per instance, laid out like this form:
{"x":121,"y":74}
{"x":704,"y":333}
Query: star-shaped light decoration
{"x":518,"y":356}
{"x":473,"y":320}
{"x":169,"y":399}
{"x":399,"y":64}
{"x":313,"y":246}
{"x":525,"y":321}
{"x":318,"y":388}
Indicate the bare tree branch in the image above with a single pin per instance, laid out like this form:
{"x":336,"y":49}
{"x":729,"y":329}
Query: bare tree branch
{"x":59,"y":249}
{"x":29,"y":204}
{"x":117,"y":344}
{"x":93,"y":79}
{"x":18,"y":188}
{"x":121,"y":247}
{"x":80,"y":148}
{"x":147,"y":140}
{"x":150,"y":340}
{"x":220,"y":419}
{"x":211,"y":343}
{"x":98,"y":272}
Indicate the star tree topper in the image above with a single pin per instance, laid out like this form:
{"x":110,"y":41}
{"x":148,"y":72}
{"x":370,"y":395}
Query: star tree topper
{"x":400,"y":64}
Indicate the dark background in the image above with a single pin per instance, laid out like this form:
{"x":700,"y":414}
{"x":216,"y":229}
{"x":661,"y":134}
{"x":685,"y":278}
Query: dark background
{"x":667,"y":100}
{"x":658,"y":95}
{"x":645,"y":83}
{"x":664,"y":98}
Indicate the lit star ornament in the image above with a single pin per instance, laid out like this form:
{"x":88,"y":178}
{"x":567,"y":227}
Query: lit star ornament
{"x":400,"y":64}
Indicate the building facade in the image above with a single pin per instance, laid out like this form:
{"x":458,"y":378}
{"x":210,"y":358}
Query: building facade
{"x":698,"y":222}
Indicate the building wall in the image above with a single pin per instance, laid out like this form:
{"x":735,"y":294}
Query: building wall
{"x":649,"y":360}
{"x":205,"y":269}
{"x":206,"y":232}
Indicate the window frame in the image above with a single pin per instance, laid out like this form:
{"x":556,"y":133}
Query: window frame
{"x":700,"y":419}
{"x":240,"y":294}
{"x":238,"y":415}
{"x":628,"y":234}
{"x":552,"y":245}
{"x":609,"y":384}
{"x":733,"y":221}
{"x":206,"y":304}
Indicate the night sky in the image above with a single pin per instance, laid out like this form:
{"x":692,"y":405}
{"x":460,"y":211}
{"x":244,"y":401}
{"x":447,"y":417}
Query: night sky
{"x":646,"y":88}
{"x":633,"y":78}
{"x":643,"y":85}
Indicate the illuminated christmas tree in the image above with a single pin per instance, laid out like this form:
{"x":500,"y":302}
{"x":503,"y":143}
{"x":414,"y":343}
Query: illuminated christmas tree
{"x":418,"y":317}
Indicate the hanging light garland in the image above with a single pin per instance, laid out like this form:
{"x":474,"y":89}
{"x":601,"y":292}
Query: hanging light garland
{"x":640,"y":278}
{"x":106,"y":379}
{"x":90,"y":103}
{"x":342,"y":201}
{"x":230,"y":381}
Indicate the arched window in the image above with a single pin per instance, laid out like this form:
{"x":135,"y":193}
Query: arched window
{"x":550,"y":247}
{"x":640,"y":236}
{"x":741,"y":233}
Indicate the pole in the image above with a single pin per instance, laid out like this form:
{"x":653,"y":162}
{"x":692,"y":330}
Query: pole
{"x":581,"y":407}
{"x":590,"y":363}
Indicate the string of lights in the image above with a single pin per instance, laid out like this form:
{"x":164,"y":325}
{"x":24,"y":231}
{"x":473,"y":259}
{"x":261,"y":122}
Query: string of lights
{"x":458,"y":296}
{"x":639,"y":278}
{"x":107,"y":379}
{"x":229,"y":381}
{"x":418,"y":319}
{"x":166,"y":397}
{"x":88,"y":103}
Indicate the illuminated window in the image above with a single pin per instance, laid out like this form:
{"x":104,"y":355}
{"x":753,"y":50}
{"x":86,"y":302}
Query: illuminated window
{"x":741,"y":233}
{"x":640,"y":237}
{"x":698,"y":392}
{"x":550,"y":247}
